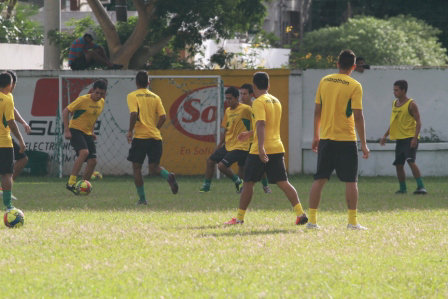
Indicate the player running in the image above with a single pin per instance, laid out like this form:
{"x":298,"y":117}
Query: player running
{"x":237,"y":118}
{"x":147,"y":116}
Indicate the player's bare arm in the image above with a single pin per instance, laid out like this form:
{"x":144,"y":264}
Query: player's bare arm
{"x":243,"y":136}
{"x":413,"y":110}
{"x":161,"y":121}
{"x":20,"y":119}
{"x":65,"y":117}
{"x":316,"y":136}
{"x":14,"y":130}
{"x":132,"y":120}
{"x":383,"y":139}
{"x":261,"y":125}
{"x":359,"y":124}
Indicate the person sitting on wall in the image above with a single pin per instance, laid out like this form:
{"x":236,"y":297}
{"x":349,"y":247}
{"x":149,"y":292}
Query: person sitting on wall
{"x":84,"y":53}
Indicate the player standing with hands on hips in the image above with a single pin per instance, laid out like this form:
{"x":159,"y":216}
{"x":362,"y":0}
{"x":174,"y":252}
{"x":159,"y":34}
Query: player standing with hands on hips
{"x":405,"y":127}
{"x":147,"y":116}
{"x":337,"y":112}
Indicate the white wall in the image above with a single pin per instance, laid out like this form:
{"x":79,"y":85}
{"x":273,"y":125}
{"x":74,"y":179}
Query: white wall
{"x":21,"y":57}
{"x":426,"y":86}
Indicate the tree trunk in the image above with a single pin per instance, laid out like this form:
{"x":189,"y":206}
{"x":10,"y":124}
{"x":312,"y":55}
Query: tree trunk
{"x":122,"y":53}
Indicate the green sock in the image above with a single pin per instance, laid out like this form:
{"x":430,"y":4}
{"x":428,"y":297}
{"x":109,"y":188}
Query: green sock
{"x":264,"y":181}
{"x":141,"y":192}
{"x":420,"y":183}
{"x":403,"y":186}
{"x":7,"y":198}
{"x":207,"y":183}
{"x":235,"y":178}
{"x":164,"y":173}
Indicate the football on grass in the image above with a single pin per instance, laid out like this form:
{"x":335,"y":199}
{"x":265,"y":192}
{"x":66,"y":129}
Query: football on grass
{"x":83,"y":187}
{"x":14,"y":218}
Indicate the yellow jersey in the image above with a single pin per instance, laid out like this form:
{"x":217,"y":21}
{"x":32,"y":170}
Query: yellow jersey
{"x":402,"y":123}
{"x":268,"y":108}
{"x":85,"y":113}
{"x":338,"y":94}
{"x":235,"y":122}
{"x":149,"y":108}
{"x":6,"y":113}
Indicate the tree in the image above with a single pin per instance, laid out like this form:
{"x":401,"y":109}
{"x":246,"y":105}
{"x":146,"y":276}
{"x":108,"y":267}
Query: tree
{"x":401,"y":40}
{"x":178,"y":23}
{"x":17,"y":27}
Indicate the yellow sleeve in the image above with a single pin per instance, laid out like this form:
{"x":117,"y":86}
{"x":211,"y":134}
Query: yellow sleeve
{"x":357,"y":97}
{"x":75,"y":104}
{"x":132,"y":103}
{"x":160,"y":109}
{"x":318,"y":99}
{"x":258,"y":111}
{"x":9,"y":110}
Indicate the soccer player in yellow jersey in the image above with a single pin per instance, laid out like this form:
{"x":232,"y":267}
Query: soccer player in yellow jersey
{"x":267,"y":151}
{"x":7,"y":126}
{"x":405,"y":127}
{"x":247,"y":96}
{"x":79,"y":131}
{"x":147,"y":116}
{"x":337,"y":112}
{"x":237,"y":118}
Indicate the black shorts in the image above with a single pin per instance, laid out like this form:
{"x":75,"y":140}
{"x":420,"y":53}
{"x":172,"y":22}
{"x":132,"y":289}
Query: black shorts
{"x":140,"y":148}
{"x":17,"y":154}
{"x":79,"y":63}
{"x":219,"y":154}
{"x":80,"y":141}
{"x":404,"y":152}
{"x":6,"y":160}
{"x":275,"y":168}
{"x":235,"y":156}
{"x":341,"y":156}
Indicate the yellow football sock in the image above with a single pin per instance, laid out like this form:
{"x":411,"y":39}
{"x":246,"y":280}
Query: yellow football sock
{"x":240,"y":215}
{"x":352,"y":217}
{"x":312,"y":217}
{"x":72,"y":180}
{"x":298,"y":209}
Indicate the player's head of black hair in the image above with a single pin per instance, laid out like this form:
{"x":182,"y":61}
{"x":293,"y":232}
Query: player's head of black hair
{"x":346,"y":59}
{"x":261,"y":80}
{"x":248,"y":87}
{"x":233,"y":91}
{"x":141,"y":79}
{"x":13,"y":76}
{"x":402,"y":84}
{"x":101,"y":84}
{"x":360,"y":59}
{"x":5,"y":79}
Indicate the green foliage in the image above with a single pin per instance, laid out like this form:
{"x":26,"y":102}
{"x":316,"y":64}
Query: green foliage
{"x":401,"y":40}
{"x":20,"y":29}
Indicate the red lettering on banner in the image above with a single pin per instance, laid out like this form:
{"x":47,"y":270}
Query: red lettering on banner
{"x":206,"y":117}
{"x":194,"y":113}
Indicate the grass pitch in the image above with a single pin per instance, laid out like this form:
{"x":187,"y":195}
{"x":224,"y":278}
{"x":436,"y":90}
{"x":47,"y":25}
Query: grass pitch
{"x":104,"y":245}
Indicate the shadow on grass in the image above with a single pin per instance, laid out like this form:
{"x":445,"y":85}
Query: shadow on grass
{"x":118,"y":194}
{"x":233,"y":233}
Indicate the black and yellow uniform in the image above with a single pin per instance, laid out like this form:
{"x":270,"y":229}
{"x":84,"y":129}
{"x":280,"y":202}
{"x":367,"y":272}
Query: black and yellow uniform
{"x":402,"y":129}
{"x":338,"y":95}
{"x":235,"y":121}
{"x":17,"y":154}
{"x":6,"y":146}
{"x":85,"y":114}
{"x":269,"y":109}
{"x":147,"y":139}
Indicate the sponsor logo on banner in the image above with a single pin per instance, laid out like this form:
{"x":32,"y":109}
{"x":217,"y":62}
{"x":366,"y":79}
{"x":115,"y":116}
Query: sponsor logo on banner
{"x":194,"y":114}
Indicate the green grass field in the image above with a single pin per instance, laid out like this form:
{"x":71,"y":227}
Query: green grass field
{"x":104,"y":245}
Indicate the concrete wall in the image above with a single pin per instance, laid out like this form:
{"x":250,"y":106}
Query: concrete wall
{"x":426,"y":86}
{"x":21,"y":57}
